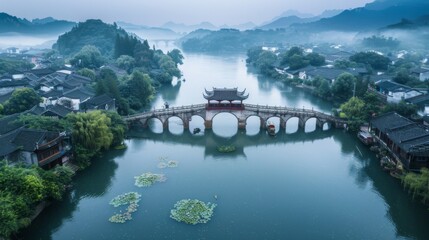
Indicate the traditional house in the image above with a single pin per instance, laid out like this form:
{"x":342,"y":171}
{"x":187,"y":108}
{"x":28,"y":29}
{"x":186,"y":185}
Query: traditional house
{"x":421,"y":73}
{"x":102,"y":102}
{"x":396,"y":92}
{"x":422,"y":103}
{"x":55,"y":111}
{"x":35,"y":147}
{"x":406,"y":140}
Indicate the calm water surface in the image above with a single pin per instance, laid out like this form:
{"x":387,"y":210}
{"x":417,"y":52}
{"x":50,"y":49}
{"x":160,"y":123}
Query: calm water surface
{"x":301,"y":184}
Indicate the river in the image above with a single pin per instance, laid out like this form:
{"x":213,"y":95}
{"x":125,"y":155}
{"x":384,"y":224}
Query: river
{"x":302,"y":184}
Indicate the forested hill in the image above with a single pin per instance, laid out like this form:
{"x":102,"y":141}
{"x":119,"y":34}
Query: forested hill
{"x":9,"y":23}
{"x":91,"y":32}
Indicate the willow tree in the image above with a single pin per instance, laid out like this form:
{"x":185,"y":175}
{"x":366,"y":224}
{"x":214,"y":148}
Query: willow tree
{"x":418,"y":183}
{"x":91,"y":134}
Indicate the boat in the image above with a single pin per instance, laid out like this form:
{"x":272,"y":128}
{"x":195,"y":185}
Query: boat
{"x":196,"y":130}
{"x":271,"y":129}
{"x":365,"y":137}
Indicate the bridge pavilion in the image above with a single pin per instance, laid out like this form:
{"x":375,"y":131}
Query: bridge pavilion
{"x":218,"y":96}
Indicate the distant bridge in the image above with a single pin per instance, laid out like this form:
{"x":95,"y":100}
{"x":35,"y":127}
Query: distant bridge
{"x":241,"y":111}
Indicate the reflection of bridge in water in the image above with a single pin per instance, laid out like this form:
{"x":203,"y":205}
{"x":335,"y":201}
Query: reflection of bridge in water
{"x":241,"y":111}
{"x":210,"y":140}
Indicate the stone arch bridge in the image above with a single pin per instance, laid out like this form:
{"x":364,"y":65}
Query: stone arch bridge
{"x":242,"y":112}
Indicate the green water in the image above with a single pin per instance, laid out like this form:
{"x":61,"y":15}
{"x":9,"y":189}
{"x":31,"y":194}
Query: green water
{"x":303,"y":184}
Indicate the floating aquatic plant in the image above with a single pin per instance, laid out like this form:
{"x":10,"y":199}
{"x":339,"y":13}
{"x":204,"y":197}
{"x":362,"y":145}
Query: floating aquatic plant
{"x":226,"y":148}
{"x":126,"y":198}
{"x":131,"y":198}
{"x":162,"y":165}
{"x":172,"y":164}
{"x":148,"y":179}
{"x":192,"y":211}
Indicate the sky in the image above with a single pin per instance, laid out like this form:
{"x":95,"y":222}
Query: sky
{"x":158,"y":12}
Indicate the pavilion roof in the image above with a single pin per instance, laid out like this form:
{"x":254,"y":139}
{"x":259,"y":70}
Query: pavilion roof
{"x":225,"y":94}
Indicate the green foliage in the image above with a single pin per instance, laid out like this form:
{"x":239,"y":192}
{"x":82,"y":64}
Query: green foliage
{"x":315,"y":59}
{"x":372,"y":59}
{"x":402,"y":108}
{"x":192,"y":211}
{"x":354,"y":111}
{"x":381,"y":42}
{"x":22,"y":99}
{"x":167,"y":68}
{"x":125,"y":45}
{"x":92,"y":32}
{"x":132,"y":199}
{"x":11,"y":66}
{"x":86,"y":72}
{"x":138,"y":89}
{"x":148,"y":179}
{"x":88,"y":57}
{"x":21,"y":189}
{"x":42,"y":122}
{"x":91,"y":134}
{"x":177,"y":56}
{"x":418,"y":184}
{"x":342,"y":88}
{"x":126,"y":62}
{"x":118,"y":128}
{"x":323,"y":89}
{"x":344,"y":64}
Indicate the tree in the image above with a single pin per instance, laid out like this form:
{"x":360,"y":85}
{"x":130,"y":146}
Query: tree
{"x":324,"y":90}
{"x":265,"y":61}
{"x":126,"y":62}
{"x":354,"y":111}
{"x":342,"y":88}
{"x":86,"y":72}
{"x":297,"y":61}
{"x":139,"y":87}
{"x":177,"y":56}
{"x":117,"y":127}
{"x":402,"y":108}
{"x":316,"y":59}
{"x":418,"y":184}
{"x":42,"y":122}
{"x":88,"y":57}
{"x":375,"y":60}
{"x":91,"y":134}
{"x":22,"y":99}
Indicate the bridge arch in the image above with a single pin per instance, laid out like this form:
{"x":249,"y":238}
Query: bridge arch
{"x":174,"y":124}
{"x":223,"y":124}
{"x":310,"y":124}
{"x":155,"y":124}
{"x":292,"y":124}
{"x":254,"y":124}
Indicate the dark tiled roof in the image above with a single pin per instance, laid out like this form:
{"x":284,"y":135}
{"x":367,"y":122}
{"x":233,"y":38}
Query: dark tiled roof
{"x":227,"y":94}
{"x":6,"y":145}
{"x":406,"y":134}
{"x":13,"y":83}
{"x":390,"y":121}
{"x":54,"y":94}
{"x":42,"y":72}
{"x":81,"y":93}
{"x":5,"y":97}
{"x":51,"y":110}
{"x":97,"y":101}
{"x":392,"y":86}
{"x":9,"y":123}
{"x":420,"y":100}
{"x":419,"y":70}
{"x":328,"y":73}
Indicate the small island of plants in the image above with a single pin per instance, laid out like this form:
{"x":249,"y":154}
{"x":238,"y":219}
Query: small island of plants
{"x":226,"y":148}
{"x":148,"y":179}
{"x":192,"y":211}
{"x":131,"y":198}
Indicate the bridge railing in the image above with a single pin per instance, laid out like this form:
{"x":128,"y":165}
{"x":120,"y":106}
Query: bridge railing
{"x":170,"y":110}
{"x":250,"y":107}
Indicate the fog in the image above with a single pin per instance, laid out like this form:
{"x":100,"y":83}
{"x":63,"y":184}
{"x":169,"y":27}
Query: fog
{"x":26,"y":41}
